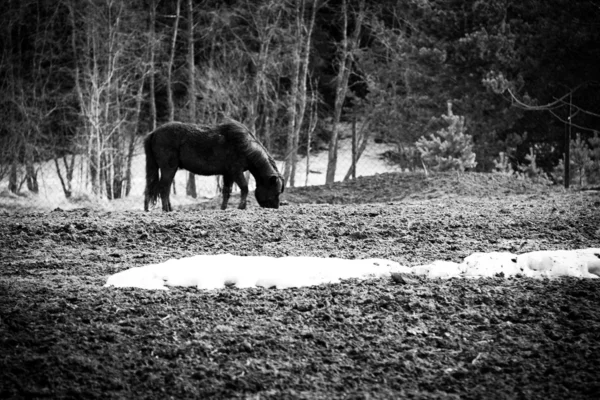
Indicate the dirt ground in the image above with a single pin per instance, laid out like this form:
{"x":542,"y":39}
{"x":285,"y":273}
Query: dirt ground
{"x":64,"y":335}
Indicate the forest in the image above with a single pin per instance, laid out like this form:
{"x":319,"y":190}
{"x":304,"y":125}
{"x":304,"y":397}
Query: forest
{"x":484,"y":85}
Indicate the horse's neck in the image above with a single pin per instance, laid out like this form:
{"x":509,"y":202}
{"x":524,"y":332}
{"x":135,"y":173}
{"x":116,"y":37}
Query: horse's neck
{"x":260,"y":166}
{"x":261,"y":169}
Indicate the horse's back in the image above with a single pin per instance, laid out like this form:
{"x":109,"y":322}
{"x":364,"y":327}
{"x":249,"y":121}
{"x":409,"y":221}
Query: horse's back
{"x":234,"y":134}
{"x":200,"y":149}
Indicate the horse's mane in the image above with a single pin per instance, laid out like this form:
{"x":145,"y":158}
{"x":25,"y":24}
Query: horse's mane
{"x":237,"y":132}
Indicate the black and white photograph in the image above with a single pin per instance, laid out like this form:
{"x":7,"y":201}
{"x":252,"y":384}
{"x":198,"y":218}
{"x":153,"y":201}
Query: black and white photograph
{"x":300,"y":199}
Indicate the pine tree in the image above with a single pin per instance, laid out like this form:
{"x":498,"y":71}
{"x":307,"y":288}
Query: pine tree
{"x":449,"y":148}
{"x":584,"y":161}
{"x":502,"y":165}
{"x":580,"y":157}
{"x":531,"y":169}
{"x":593,"y":168}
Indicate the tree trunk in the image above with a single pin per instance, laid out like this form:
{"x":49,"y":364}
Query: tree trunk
{"x":297,"y":106}
{"x":354,"y":155}
{"x":66,"y":181}
{"x":345,"y":65}
{"x":118,"y":165}
{"x":13,"y":185}
{"x":568,"y":147}
{"x":83,"y":105}
{"x":105,"y":177}
{"x":303,"y":80}
{"x":30,"y":172}
{"x":117,"y":156}
{"x":94,"y":109}
{"x":363,"y":138}
{"x":312,"y":124}
{"x":170,"y":101}
{"x":191,"y":182}
{"x":152,"y":69}
{"x":293,"y":102}
{"x":132,"y":136}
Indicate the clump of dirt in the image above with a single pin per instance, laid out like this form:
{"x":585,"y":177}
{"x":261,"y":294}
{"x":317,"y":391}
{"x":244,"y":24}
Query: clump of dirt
{"x":63,"y":335}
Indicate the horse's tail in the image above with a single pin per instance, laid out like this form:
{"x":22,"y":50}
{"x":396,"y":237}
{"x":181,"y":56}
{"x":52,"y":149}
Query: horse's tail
{"x":151,"y":192}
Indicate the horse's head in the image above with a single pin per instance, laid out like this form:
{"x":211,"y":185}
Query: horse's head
{"x":267,"y":191}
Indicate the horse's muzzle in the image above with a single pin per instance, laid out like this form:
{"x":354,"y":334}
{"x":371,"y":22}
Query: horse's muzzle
{"x":269,"y":204}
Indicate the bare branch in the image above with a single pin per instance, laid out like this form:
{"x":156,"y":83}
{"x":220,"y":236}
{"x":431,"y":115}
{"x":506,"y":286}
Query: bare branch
{"x":571,"y":123}
{"x":549,"y":106}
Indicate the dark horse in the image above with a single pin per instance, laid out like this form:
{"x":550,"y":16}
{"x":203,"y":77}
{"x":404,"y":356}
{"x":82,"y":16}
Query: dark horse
{"x":228,"y":149}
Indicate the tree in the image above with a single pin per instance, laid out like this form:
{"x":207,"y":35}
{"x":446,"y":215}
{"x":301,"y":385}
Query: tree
{"x":29,"y":88}
{"x":348,"y":46}
{"x":449,"y":148}
{"x":397,"y":73}
{"x":548,"y":71}
{"x":191,"y":181}
{"x":66,"y":179}
{"x":584,"y":160}
{"x":83,"y":78}
{"x":298,"y":97}
{"x":171,"y":62}
{"x":152,"y":73}
{"x":594,"y":163}
{"x":108,"y":78}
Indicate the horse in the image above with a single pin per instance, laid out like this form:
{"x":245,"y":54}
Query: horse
{"x":228,"y":149}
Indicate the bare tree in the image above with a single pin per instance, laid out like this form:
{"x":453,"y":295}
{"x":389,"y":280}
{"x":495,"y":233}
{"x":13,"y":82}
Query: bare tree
{"x":133,"y":136}
{"x":152,"y":64}
{"x":360,"y":138}
{"x":108,"y":82}
{"x":170,"y":102}
{"x":312,"y":124}
{"x":191,"y":182}
{"x":266,"y":19}
{"x":29,"y":90}
{"x":298,"y":98}
{"x":66,"y":181}
{"x":348,"y":47}
{"x":153,"y":39}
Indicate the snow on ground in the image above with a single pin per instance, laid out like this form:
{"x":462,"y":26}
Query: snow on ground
{"x":583,"y":263}
{"x":218,"y":271}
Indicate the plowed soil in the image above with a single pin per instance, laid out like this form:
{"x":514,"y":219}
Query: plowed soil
{"x":64,"y":335}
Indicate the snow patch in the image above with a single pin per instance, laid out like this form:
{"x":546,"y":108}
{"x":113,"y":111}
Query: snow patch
{"x":584,"y":263}
{"x":438,"y":269}
{"x":218,"y":271}
{"x":579,"y":263}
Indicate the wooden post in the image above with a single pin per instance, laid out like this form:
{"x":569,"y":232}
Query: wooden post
{"x":354,"y":148}
{"x":568,"y":146}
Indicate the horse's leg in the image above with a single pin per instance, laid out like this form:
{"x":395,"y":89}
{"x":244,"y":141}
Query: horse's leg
{"x":242,"y":182}
{"x":164,"y":187}
{"x":227,"y":184}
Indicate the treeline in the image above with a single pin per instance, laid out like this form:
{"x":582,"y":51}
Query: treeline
{"x":90,"y":77}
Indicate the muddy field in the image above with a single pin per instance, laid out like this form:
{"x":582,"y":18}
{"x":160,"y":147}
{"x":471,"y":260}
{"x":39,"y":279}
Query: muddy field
{"x":64,"y":335}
